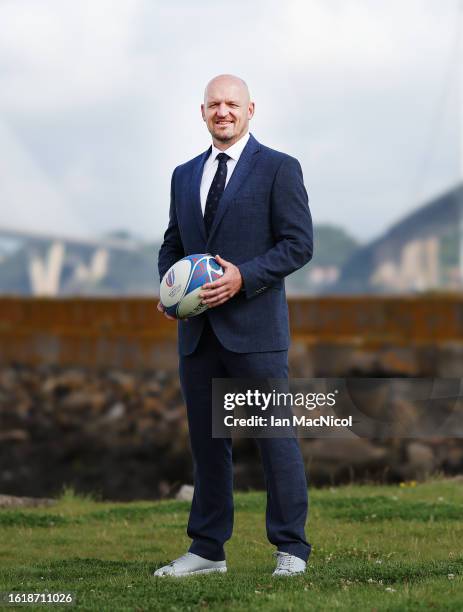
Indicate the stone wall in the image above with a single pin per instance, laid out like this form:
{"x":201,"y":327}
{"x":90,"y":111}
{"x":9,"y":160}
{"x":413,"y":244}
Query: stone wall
{"x":123,"y":435}
{"x":89,"y":392}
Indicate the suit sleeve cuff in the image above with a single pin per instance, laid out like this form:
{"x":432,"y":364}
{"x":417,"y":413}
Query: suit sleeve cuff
{"x":251,"y":286}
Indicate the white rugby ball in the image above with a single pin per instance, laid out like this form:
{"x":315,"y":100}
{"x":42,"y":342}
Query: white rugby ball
{"x":181,"y":284}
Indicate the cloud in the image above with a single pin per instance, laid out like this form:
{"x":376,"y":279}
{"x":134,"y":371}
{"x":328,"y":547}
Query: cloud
{"x":103,"y":97}
{"x":62,"y":55}
{"x":34,"y":203}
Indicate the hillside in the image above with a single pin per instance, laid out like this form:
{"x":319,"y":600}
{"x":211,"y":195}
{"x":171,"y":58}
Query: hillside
{"x":134,"y":272}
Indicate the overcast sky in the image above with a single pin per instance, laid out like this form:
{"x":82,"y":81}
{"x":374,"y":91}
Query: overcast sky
{"x":100,"y":100}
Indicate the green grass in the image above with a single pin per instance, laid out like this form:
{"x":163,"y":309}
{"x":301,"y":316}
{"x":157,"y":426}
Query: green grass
{"x":374,"y":548}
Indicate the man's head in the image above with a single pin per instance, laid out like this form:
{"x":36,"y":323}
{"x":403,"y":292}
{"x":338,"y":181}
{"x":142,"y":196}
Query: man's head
{"x":227,"y":109}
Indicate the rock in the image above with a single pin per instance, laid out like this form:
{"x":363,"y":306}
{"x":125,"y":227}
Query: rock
{"x":421,"y":461}
{"x":454,"y":458}
{"x":66,"y":425}
{"x":151,"y":388}
{"x":11,"y":501}
{"x":301,"y":364}
{"x":145,"y":425}
{"x":185,"y":493}
{"x":152,"y":405}
{"x":126,"y":382}
{"x":14,"y":435}
{"x":83,"y":398}
{"x":174,"y":414}
{"x":116,"y":412}
{"x":336,"y":459}
{"x":402,"y":360}
{"x":23,"y":407}
{"x":354,"y":451}
{"x":64,"y":382}
{"x":8,"y":379}
{"x":164,"y":488}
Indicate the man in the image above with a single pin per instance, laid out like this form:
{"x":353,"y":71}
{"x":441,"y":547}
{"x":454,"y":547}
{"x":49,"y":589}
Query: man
{"x":247,"y":203}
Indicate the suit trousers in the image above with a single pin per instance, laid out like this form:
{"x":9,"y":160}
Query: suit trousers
{"x":210,"y":523}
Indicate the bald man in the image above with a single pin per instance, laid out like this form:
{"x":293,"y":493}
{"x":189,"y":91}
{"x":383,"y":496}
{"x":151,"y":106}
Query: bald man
{"x":247,"y":203}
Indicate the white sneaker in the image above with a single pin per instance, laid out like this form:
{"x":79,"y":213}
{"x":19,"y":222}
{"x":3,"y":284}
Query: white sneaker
{"x":288,"y":565}
{"x":191,"y":564}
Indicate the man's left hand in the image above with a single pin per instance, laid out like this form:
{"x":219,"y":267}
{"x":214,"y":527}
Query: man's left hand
{"x":224,"y":288}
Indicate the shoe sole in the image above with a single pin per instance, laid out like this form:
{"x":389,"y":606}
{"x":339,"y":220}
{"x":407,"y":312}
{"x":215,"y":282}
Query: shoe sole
{"x":210,"y":570}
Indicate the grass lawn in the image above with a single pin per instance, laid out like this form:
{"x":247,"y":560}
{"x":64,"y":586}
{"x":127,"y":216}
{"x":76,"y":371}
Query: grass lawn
{"x":374,"y":548}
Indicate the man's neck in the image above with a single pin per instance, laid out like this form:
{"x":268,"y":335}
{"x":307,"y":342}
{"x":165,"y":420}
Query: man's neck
{"x":223,"y":146}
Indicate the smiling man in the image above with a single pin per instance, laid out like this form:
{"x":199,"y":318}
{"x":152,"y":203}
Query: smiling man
{"x":247,"y":203}
{"x":227,"y":110}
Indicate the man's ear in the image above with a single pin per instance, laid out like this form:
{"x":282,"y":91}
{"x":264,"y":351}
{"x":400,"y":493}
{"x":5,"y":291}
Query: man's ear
{"x":251,"y":109}
{"x":202,"y":112}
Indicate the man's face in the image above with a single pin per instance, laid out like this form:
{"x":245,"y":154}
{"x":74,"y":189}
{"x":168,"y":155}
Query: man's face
{"x":227,"y":110}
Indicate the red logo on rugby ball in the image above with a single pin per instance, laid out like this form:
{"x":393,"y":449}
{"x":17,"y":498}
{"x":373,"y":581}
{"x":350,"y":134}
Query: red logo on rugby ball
{"x":170,"y":279}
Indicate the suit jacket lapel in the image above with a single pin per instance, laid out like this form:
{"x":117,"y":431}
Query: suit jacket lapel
{"x":243,"y":168}
{"x":195,"y":187}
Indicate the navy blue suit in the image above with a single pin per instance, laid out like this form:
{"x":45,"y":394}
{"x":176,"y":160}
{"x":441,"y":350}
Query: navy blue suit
{"x":263,"y":225}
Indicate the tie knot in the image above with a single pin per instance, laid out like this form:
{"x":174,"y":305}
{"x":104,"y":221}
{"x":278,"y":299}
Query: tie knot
{"x":223,"y":158}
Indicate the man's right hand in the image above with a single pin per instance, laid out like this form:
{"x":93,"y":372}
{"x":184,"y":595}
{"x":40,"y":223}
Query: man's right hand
{"x":160,"y":307}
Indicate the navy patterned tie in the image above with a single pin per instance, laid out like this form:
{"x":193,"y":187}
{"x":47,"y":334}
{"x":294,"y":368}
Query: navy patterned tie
{"x":216,"y":191}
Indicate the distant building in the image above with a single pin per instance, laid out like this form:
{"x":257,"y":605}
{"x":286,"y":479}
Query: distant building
{"x":322,"y":276}
{"x":419,"y":253}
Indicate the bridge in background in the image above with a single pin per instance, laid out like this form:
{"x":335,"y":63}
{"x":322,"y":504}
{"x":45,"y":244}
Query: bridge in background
{"x":49,"y":254}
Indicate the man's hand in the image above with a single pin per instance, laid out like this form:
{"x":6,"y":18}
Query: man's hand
{"x":224,"y":288}
{"x":160,"y":307}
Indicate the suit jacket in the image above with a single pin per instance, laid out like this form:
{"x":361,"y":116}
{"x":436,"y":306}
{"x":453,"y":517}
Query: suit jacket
{"x":263,"y":225}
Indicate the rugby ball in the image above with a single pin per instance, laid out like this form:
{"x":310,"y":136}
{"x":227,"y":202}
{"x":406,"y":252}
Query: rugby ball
{"x":181,"y":285}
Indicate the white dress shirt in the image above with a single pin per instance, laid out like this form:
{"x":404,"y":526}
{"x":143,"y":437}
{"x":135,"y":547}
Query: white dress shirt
{"x":210,"y":167}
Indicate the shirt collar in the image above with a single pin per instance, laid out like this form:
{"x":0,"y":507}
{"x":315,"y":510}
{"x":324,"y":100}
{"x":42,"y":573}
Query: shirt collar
{"x":234,"y":151}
